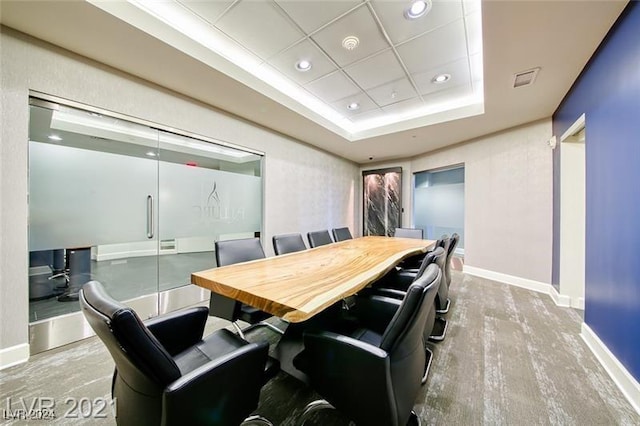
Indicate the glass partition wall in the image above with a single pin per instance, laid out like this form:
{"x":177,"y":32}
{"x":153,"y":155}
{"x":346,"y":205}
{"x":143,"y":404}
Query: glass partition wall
{"x":438,"y":203}
{"x":131,"y":206}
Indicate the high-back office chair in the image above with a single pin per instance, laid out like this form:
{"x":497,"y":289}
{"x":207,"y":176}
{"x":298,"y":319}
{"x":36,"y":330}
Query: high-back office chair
{"x":288,"y":243}
{"x":341,"y":234}
{"x":373,"y":374}
{"x":319,"y":238}
{"x":228,"y":253}
{"x":437,"y":330}
{"x":453,"y":242}
{"x":409,"y":233}
{"x":167,"y":374}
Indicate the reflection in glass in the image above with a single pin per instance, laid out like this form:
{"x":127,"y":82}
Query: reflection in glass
{"x":128,"y":205}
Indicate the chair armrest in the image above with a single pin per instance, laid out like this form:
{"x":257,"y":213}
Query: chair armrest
{"x":376,"y":311}
{"x":350,"y":374}
{"x":222,"y":392}
{"x":178,"y":330}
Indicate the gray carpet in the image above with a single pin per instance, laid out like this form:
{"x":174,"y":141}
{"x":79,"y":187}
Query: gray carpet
{"x":511,"y":357}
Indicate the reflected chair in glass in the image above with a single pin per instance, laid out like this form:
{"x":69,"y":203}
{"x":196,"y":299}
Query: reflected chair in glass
{"x":288,"y":243}
{"x":319,"y":238}
{"x":341,"y":234}
{"x":167,"y":373}
{"x":372,"y":372}
{"x":228,"y":253}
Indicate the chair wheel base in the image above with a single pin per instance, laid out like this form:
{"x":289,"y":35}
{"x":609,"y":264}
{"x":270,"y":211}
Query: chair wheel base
{"x":256,"y":420}
{"x":414,"y":420}
{"x":439,"y":330}
{"x":445,"y":309}
{"x":312,"y":407}
{"x":427,"y":365}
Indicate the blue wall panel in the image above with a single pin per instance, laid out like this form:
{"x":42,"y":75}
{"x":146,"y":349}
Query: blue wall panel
{"x":608,"y":92}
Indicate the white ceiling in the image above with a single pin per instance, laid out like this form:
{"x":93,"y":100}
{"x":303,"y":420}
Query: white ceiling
{"x":557,"y":36}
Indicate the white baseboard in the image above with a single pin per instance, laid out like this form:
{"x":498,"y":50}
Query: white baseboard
{"x":577,"y":303}
{"x":620,"y":375}
{"x":508,"y":279}
{"x":14,"y":355}
{"x":560,"y":299}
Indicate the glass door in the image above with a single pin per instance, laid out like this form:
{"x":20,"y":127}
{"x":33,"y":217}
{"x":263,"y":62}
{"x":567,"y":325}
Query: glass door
{"x":208,"y":192}
{"x":92,"y":203}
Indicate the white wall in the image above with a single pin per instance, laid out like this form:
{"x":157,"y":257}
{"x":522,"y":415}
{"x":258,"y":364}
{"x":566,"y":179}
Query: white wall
{"x":305,"y":188}
{"x":508,"y":199}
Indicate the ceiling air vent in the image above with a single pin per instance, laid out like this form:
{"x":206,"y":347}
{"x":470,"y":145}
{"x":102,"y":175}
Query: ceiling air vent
{"x":525,"y":78}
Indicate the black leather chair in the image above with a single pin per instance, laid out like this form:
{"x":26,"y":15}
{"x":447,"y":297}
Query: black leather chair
{"x":167,"y":374}
{"x":288,"y":243}
{"x":319,"y":238}
{"x":409,"y":233}
{"x":453,"y":242}
{"x":438,"y":330}
{"x":228,"y":253}
{"x":341,"y":234}
{"x":372,"y":373}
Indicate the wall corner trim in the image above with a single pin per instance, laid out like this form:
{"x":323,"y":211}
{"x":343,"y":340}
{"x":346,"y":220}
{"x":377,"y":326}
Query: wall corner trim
{"x":560,"y":299}
{"x":14,"y":355}
{"x":629,"y":387}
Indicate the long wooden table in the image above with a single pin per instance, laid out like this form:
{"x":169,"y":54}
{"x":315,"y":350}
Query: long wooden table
{"x":297,"y":286}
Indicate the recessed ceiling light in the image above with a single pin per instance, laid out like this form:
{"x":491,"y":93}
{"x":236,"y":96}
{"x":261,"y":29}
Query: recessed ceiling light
{"x":441,"y":78}
{"x":151,"y":154}
{"x":353,"y":106}
{"x":303,"y":65}
{"x":350,"y":42}
{"x":417,"y":9}
{"x":54,"y":137}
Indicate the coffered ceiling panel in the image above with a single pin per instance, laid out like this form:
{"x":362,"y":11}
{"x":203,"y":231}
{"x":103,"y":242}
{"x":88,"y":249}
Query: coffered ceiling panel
{"x":332,"y":87}
{"x":259,"y":27}
{"x":443,"y":45}
{"x":361,"y":99}
{"x":448,"y":94}
{"x":457,"y":71}
{"x":359,"y":23}
{"x":313,"y":14}
{"x":210,"y":11}
{"x":401,"y":29}
{"x":393,"y":92}
{"x":286,"y":62}
{"x":376,"y":70}
{"x":295,"y":52}
{"x":403,"y":106}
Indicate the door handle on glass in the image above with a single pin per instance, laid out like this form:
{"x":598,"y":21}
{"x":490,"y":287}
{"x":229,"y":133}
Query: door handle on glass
{"x":149,"y":216}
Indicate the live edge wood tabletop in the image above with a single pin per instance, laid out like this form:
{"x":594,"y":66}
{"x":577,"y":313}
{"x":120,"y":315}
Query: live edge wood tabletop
{"x":298,"y":285}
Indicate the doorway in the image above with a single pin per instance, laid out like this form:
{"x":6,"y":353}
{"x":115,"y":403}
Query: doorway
{"x":573,"y":212}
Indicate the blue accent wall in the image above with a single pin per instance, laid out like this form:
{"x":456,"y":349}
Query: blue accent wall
{"x":608,"y":92}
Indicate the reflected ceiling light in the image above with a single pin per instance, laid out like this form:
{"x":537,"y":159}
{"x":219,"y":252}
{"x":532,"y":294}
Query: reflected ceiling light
{"x":353,"y":106}
{"x":441,"y":78}
{"x":95,"y":114}
{"x":303,"y":65}
{"x":151,"y":154}
{"x":417,"y":9}
{"x":350,"y":42}
{"x":54,"y":137}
